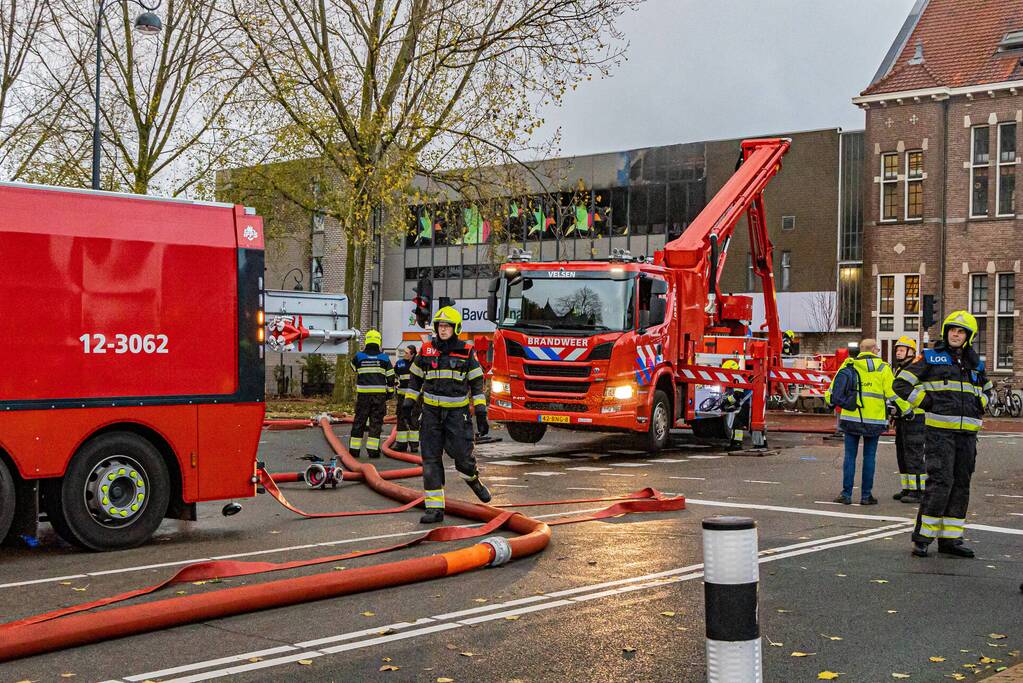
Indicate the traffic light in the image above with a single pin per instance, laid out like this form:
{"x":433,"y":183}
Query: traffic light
{"x":929,"y":312}
{"x":423,"y":302}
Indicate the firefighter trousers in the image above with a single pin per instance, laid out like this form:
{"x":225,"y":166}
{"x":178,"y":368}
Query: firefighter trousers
{"x":440,"y":430}
{"x":909,"y":450}
{"x":408,"y":432}
{"x":370,"y":410}
{"x":950,"y":458}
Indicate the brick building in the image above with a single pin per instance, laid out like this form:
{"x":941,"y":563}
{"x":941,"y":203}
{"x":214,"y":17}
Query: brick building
{"x":943,"y":118}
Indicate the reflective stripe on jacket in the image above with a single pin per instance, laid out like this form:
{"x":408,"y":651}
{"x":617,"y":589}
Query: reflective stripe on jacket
{"x":951,"y":388}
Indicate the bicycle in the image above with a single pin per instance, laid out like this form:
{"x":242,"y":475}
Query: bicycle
{"x":1005,"y":400}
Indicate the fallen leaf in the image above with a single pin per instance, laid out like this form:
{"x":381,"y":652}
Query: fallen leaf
{"x":388,"y":667}
{"x":65,"y":583}
{"x":368,"y":614}
{"x":879,"y":580}
{"x":80,"y":590}
{"x":989,"y":660}
{"x":893,"y":611}
{"x":385,"y":659}
{"x":956,"y":677}
{"x":198,"y":583}
{"x":681,"y":628}
{"x":667,"y":614}
{"x":996,"y":645}
{"x":68,"y":675}
{"x":895,"y":675}
{"x":275,"y":532}
{"x":467,"y":654}
{"x":965,"y":650}
{"x":337,"y":569}
{"x":451,"y":646}
{"x":784,"y":611}
{"x":1001,"y":668}
{"x":842,"y":575}
{"x":628,"y":649}
{"x":386,"y":632}
{"x":26,"y":681}
{"x":827,"y":676}
{"x":802,"y":654}
{"x":180,"y":592}
{"x":937,"y":659}
{"x":445,"y":680}
{"x":774,"y":644}
{"x":969,"y":666}
{"x":824,"y":635}
{"x":996,"y":636}
{"x":512,"y":617}
{"x":255,"y":659}
{"x":481,"y":600}
{"x":305,"y":662}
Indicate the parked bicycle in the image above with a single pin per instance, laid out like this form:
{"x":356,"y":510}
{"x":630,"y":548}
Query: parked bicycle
{"x":1005,"y":400}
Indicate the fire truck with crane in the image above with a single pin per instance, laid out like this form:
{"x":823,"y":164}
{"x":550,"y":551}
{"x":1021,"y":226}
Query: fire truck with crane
{"x":637,"y":344}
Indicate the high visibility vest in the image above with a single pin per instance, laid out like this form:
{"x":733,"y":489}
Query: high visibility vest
{"x":875,"y":379}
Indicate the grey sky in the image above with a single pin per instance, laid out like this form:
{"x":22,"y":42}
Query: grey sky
{"x":711,"y":69}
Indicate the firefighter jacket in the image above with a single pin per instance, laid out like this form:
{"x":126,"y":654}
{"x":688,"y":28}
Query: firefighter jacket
{"x":870,"y":417}
{"x":403,"y":369}
{"x":446,"y":375}
{"x":950,"y":386}
{"x":898,"y":367}
{"x":375,"y":373}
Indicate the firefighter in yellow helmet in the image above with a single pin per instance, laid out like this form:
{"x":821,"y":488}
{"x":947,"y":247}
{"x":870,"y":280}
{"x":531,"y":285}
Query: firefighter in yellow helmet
{"x":448,"y":378}
{"x":788,"y":343}
{"x":738,"y":401}
{"x":374,"y":384}
{"x":949,"y":383}
{"x":909,"y":434}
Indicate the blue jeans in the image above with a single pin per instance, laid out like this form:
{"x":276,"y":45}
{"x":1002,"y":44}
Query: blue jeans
{"x":852,"y":444}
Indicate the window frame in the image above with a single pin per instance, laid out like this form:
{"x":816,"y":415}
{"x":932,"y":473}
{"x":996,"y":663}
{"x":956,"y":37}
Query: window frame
{"x":1004,"y":164}
{"x":973,"y":170}
{"x":881,"y":315}
{"x":786,"y":271}
{"x":999,"y":317}
{"x":885,"y":182}
{"x":914,"y":180}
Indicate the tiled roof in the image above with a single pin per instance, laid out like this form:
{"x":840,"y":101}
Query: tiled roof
{"x":960,"y":47}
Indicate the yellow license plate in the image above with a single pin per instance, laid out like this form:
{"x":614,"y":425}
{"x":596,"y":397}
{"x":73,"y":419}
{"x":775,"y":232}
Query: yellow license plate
{"x":559,"y":419}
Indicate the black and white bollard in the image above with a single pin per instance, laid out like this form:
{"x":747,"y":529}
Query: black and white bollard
{"x":730,"y":577}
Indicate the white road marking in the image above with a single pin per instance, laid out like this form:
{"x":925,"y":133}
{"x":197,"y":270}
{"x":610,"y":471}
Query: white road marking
{"x":671,"y":460}
{"x":616,"y":474}
{"x":689,"y":478}
{"x":551,"y":458}
{"x":502,"y":478}
{"x":631,"y":464}
{"x":563,"y":598}
{"x":512,"y":486}
{"x":758,"y":481}
{"x":545,"y":474}
{"x":583,"y":488}
{"x":705,"y":457}
{"x":506,"y":463}
{"x":588,"y":469}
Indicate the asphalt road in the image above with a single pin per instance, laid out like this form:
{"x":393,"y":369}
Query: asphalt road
{"x":837,"y":583}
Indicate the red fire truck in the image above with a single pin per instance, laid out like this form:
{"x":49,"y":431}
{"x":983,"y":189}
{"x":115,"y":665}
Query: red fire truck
{"x":637,"y":344}
{"x":133,"y":379}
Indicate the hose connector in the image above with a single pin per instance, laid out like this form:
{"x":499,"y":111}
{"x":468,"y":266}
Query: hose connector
{"x":502,"y":550}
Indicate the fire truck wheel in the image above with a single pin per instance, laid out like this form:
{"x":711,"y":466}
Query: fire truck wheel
{"x":7,"y":501}
{"x":660,"y":423}
{"x":526,"y":432}
{"x":114,"y":493}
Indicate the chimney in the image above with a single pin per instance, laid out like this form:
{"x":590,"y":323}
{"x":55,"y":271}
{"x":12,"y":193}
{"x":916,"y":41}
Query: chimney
{"x":918,"y":57}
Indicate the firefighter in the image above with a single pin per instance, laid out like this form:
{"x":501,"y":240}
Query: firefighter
{"x":374,"y":384}
{"x":788,"y":343}
{"x":909,"y":435}
{"x":862,"y":387}
{"x":408,"y":432}
{"x":949,"y":383}
{"x":448,"y":378}
{"x":736,"y":401}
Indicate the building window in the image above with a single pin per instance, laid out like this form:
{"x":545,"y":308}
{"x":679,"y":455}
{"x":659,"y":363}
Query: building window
{"x":750,"y":275}
{"x":979,"y":158}
{"x":886,"y":303}
{"x":786,"y":271}
{"x":889,"y":187}
{"x":1006,"y":169}
{"x":849,"y":295}
{"x":1006,"y":304}
{"x":911,"y":304}
{"x":914,"y":185}
{"x":978,"y":307}
{"x":788,"y":222}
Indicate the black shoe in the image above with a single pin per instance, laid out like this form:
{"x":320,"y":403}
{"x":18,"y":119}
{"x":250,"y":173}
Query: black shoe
{"x":432,"y":516}
{"x":955,"y":550}
{"x":413,"y":447}
{"x":844,"y":500}
{"x":919,"y":550}
{"x":375,"y":455}
{"x":900,"y":494}
{"x":910,"y":498}
{"x":869,"y":500}
{"x":477,"y":486}
{"x":400,"y":447}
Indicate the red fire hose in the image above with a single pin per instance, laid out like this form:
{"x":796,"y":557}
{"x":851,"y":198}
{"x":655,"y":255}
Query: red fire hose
{"x":75,"y":626}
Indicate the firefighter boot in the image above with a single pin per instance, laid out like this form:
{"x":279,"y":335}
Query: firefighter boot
{"x":900,"y":494}
{"x":477,"y":486}
{"x":911,"y":498}
{"x":401,"y":447}
{"x":950,"y":547}
{"x":432,"y":516}
{"x":920,"y":550}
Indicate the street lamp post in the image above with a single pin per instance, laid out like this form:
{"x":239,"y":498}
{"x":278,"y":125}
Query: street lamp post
{"x":147,"y":23}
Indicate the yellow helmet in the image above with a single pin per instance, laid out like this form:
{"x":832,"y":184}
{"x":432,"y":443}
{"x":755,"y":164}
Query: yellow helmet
{"x":373,"y":337}
{"x":730,"y":364}
{"x":907,"y":342}
{"x":789,"y":333}
{"x":449,"y":315}
{"x":963,"y":319}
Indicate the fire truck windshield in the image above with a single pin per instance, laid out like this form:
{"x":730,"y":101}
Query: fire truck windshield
{"x":562,"y":304}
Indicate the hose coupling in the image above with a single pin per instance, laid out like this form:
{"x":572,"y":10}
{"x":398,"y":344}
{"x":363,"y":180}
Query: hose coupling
{"x":502,"y":550}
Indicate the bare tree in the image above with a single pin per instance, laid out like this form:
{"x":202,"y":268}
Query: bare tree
{"x":822,"y":310}
{"x":171,"y":111}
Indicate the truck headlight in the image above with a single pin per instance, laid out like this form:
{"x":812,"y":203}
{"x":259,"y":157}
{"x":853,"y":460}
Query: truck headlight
{"x":499,"y":386}
{"x":621,"y":392}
